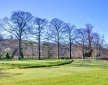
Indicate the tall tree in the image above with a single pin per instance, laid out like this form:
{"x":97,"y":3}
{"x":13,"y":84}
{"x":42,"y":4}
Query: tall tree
{"x":56,"y":32}
{"x":89,"y":37}
{"x":39,"y":25}
{"x":86,"y":37}
{"x":81,"y":37}
{"x":70,"y":35}
{"x":18,"y":25}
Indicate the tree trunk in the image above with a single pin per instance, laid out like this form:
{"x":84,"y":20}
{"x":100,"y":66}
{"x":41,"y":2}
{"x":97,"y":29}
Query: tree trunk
{"x":90,"y":48}
{"x":83,"y":51}
{"x":32,"y":50}
{"x":15,"y":50}
{"x":39,"y":54}
{"x":58,"y":49}
{"x":70,"y":49}
{"x":19,"y":48}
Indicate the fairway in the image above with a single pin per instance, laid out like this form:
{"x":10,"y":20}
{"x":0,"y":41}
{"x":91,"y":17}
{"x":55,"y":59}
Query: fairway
{"x":78,"y":72}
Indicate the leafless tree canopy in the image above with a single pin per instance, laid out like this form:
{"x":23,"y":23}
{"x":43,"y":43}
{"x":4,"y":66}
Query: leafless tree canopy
{"x":38,"y":31}
{"x":18,"y":25}
{"x":70,"y":34}
{"x":37,"y":37}
{"x":56,"y":29}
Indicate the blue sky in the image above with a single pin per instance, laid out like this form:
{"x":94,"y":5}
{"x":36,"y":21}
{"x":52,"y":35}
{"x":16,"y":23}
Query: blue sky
{"x":76,"y":12}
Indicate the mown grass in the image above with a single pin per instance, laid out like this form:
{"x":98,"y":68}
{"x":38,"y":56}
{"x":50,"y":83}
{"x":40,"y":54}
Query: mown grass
{"x":32,"y":63}
{"x":79,"y":72}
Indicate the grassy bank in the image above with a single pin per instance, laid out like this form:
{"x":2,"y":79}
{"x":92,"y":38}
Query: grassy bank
{"x":32,"y":63}
{"x":79,"y":72}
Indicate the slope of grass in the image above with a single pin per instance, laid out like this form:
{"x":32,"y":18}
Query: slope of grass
{"x":79,"y":72}
{"x":32,"y":63}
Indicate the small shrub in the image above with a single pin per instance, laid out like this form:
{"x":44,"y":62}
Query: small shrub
{"x":7,"y":56}
{"x":62,"y":57}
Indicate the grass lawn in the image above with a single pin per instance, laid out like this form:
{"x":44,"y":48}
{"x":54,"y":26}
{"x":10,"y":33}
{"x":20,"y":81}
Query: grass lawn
{"x":79,"y":72}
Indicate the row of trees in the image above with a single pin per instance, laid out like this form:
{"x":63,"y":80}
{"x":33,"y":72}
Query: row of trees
{"x":23,"y":25}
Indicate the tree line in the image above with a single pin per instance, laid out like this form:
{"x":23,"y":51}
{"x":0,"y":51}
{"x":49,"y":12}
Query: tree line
{"x":24,"y":26}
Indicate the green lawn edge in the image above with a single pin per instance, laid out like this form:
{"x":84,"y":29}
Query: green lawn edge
{"x":32,"y":64}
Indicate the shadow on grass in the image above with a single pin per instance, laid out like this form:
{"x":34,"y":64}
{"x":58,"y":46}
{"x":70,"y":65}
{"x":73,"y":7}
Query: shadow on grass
{"x":6,"y":74}
{"x":18,"y":74}
{"x":3,"y":74}
{"x":50,"y":64}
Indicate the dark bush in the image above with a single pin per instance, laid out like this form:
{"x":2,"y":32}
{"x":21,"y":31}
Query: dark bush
{"x":64,"y":57}
{"x":7,"y":56}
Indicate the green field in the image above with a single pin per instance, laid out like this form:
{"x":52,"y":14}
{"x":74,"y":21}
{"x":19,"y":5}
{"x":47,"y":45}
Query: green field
{"x":54,"y":72}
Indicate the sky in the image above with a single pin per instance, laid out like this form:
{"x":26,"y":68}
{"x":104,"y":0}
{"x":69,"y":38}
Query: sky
{"x":76,"y":12}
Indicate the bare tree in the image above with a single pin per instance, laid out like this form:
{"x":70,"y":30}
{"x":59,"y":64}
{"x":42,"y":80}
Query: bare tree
{"x":81,"y":37}
{"x":18,"y":25}
{"x":89,"y":36}
{"x":39,"y":25}
{"x":99,"y":43}
{"x":70,"y":35}
{"x":85,"y":38}
{"x":56,"y":32}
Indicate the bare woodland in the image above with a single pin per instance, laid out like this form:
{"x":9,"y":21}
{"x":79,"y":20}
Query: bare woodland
{"x":32,"y":37}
